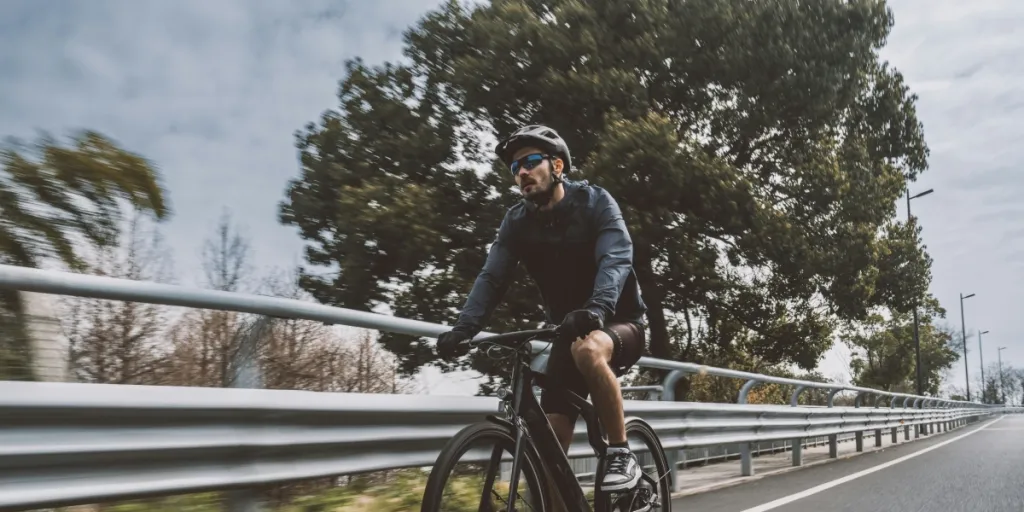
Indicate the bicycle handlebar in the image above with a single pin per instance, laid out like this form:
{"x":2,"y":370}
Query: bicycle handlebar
{"x":512,"y":339}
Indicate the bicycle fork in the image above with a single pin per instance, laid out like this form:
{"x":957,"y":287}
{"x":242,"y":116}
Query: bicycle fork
{"x":517,"y":424}
{"x":513,"y":488}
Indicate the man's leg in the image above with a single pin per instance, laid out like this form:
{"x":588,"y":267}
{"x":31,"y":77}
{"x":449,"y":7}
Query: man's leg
{"x":563,"y":426}
{"x":593,"y":355}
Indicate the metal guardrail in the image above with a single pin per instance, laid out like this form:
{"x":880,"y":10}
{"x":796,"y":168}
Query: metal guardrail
{"x":89,"y":443}
{"x":81,"y":285}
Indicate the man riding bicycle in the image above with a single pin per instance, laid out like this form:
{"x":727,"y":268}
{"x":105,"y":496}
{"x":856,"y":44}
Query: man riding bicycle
{"x":574,"y":243}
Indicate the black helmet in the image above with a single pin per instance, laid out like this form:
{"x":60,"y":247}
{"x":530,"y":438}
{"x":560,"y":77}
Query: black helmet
{"x":534,"y":135}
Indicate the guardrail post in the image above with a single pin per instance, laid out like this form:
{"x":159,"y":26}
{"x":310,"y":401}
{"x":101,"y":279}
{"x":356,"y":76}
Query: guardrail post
{"x":892,"y":405}
{"x":668,"y":394}
{"x":918,"y":426}
{"x":798,"y":447}
{"x":906,"y":428}
{"x":930,"y":428}
{"x":878,"y":431}
{"x":746,"y":460}
{"x":858,"y":436}
{"x":245,"y":373}
{"x":833,"y":439}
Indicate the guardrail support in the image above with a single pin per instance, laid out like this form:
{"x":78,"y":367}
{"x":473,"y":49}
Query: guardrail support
{"x":919,"y":429}
{"x":833,"y":439}
{"x":246,"y":374}
{"x":746,"y":461}
{"x":668,"y":394}
{"x":906,"y":428}
{"x":878,"y":431}
{"x":668,"y":386}
{"x":797,"y":442}
{"x":858,"y":436}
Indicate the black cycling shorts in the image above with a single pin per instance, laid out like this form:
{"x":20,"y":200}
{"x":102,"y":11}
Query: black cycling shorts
{"x":629,"y":343}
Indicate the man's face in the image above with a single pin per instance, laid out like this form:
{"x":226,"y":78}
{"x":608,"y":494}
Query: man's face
{"x":539,"y":181}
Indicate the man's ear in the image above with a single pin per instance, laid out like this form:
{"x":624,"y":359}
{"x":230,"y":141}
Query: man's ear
{"x":559,"y":165}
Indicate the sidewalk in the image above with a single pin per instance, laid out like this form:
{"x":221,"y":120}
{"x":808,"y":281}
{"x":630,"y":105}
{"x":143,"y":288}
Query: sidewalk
{"x":716,"y":475}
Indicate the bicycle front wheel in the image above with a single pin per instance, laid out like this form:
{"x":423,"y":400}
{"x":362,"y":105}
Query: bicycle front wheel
{"x":473,"y":472}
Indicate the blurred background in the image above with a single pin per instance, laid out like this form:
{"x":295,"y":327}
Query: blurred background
{"x":764,"y":153}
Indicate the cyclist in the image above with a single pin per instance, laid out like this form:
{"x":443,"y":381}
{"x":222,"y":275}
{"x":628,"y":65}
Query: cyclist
{"x":575,"y":246}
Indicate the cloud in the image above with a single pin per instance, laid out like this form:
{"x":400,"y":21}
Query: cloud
{"x":965,"y":60}
{"x":212,"y":92}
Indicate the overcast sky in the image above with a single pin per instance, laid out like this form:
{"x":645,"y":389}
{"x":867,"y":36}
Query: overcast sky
{"x":213,"y":92}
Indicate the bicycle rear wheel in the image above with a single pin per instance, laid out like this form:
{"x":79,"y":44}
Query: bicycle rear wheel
{"x":487,"y":447}
{"x":653,"y":493}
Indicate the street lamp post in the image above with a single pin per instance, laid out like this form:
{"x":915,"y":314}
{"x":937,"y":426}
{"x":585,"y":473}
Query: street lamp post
{"x":982,"y":359}
{"x":1002,"y":388}
{"x":963,"y":332}
{"x":917,"y":336}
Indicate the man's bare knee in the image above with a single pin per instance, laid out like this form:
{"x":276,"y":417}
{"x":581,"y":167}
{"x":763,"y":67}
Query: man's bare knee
{"x":592,"y":352}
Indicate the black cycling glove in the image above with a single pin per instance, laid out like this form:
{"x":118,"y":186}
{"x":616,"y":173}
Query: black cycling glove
{"x":579,"y":323}
{"x":448,"y":344}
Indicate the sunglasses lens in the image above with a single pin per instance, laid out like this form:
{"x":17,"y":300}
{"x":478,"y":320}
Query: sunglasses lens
{"x":528,"y":161}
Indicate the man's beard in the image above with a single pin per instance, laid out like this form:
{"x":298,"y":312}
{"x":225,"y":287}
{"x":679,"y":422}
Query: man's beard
{"x":539,"y":194}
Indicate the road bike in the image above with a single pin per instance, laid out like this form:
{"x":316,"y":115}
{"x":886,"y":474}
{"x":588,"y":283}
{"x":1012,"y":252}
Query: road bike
{"x":524,"y":438}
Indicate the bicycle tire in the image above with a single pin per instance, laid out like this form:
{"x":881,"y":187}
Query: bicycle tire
{"x":531,"y":467}
{"x":636,"y":426}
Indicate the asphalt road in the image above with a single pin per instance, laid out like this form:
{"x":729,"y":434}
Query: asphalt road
{"x":979,"y":468}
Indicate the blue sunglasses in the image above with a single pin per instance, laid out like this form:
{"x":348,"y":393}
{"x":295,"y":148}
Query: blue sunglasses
{"x":528,"y":162}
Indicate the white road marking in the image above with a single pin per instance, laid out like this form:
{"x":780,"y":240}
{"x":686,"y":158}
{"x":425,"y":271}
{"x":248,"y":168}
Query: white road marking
{"x":828,"y":485}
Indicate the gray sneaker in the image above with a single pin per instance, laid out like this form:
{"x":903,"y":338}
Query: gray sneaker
{"x":622,"y":470}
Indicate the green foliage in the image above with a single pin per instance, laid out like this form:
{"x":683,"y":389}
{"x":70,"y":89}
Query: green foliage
{"x":757,"y":150}
{"x":53,"y":198}
{"x":49,"y":194}
{"x":402,"y":491}
{"x":884,"y":355}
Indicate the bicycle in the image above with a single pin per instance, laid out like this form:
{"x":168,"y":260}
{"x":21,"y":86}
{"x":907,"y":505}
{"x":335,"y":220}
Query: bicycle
{"x":535,"y":451}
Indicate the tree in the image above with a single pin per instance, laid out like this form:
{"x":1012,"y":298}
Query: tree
{"x":303,"y":354}
{"x":1018,"y":375}
{"x":118,"y":342}
{"x":51,"y":198}
{"x":883,"y":351}
{"x":51,"y":194}
{"x":999,"y":388}
{"x":991,"y":391}
{"x":757,"y":150}
{"x":205,"y":341}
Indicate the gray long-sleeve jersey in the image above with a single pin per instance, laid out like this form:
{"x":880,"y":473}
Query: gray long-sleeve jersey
{"x":579,"y":254}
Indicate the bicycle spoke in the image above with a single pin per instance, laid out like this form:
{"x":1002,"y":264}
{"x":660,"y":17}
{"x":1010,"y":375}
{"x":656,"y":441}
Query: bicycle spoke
{"x":479,"y":480}
{"x":520,"y":497}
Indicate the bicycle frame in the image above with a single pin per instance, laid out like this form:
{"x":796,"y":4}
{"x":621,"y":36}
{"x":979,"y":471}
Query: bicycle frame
{"x":527,"y":417}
